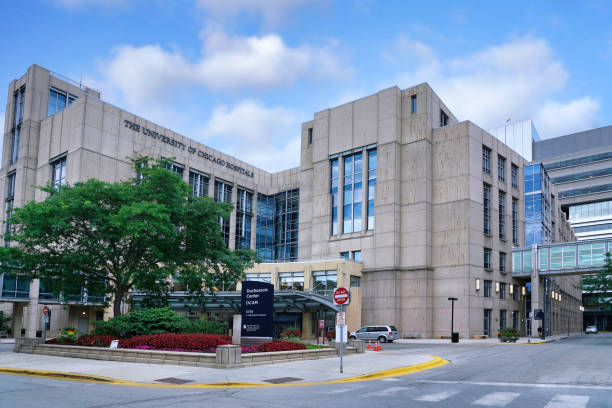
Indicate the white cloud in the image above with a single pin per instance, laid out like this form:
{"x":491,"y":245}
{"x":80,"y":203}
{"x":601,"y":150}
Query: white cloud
{"x":272,"y":11}
{"x":152,"y":72}
{"x":267,"y":137}
{"x":518,"y":79}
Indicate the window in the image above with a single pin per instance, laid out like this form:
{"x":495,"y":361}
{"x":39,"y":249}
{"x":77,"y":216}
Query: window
{"x":356,"y":256}
{"x":443,"y":118}
{"x":324,"y":282}
{"x":334,"y":194}
{"x":487,"y":288}
{"x":258,"y":277}
{"x":486,"y":200}
{"x":58,"y":100}
{"x":502,"y":290}
{"x":487,"y":258}
{"x":515,"y":296}
{"x":413,"y":101}
{"x":355,"y":281}
{"x":486,"y":159}
{"x":502,"y":215}
{"x":244,"y":215}
{"x":353,"y":166}
{"x":198,"y":183}
{"x":19,"y":99}
{"x":514,"y":175}
{"x":345,"y":255}
{"x":309,"y":136}
{"x":291,"y":280}
{"x":15,"y":286}
{"x":514,"y":220}
{"x":501,"y":168}
{"x":487,"y":322}
{"x":515,"y":319}
{"x":502,"y":262}
{"x":502,"y":319}
{"x":58,"y":172}
{"x":10,"y":186}
{"x":223,"y":194}
{"x":10,"y":201}
{"x":371,"y":186}
{"x":174,"y":167}
{"x":277,"y":226}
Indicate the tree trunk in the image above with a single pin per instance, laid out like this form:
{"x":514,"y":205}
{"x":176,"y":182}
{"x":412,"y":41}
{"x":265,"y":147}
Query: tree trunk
{"x":117,"y":302}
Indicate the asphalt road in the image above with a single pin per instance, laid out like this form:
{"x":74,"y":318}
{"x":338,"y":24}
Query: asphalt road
{"x":571,"y":373}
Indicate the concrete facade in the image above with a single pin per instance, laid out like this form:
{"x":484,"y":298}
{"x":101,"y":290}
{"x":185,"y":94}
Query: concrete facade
{"x":424,"y":242}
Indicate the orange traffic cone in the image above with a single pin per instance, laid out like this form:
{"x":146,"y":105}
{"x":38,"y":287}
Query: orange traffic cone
{"x":369,"y":344}
{"x":377,"y":348}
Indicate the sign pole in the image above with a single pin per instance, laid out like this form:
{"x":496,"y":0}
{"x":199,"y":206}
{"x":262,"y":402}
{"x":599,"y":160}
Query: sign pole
{"x":341,"y":343}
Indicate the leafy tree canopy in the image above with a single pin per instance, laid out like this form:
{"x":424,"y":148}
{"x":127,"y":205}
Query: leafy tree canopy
{"x":599,"y":285}
{"x":111,"y":238}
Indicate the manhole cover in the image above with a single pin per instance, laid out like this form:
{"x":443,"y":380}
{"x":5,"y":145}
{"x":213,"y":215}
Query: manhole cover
{"x":172,"y":380}
{"x":282,"y":380}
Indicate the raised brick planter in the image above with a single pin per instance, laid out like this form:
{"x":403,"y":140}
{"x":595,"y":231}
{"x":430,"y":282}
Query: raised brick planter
{"x":226,"y":356}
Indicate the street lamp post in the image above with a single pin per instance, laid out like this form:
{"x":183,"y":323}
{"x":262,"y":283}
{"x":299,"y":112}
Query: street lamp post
{"x":454,"y":339}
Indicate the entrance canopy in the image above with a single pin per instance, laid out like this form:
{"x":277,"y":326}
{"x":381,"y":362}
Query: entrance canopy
{"x":284,"y":301}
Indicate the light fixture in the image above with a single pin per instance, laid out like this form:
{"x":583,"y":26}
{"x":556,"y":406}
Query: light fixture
{"x":477,"y":284}
{"x":559,"y":297}
{"x":496,"y":287}
{"x":512,"y":289}
{"x":552,"y":294}
{"x":524,"y":290}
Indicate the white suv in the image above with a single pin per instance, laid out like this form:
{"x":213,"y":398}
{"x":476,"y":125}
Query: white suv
{"x":380,"y":333}
{"x":591,"y":329}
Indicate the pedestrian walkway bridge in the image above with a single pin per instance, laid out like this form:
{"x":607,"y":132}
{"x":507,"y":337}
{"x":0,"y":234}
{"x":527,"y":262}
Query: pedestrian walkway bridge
{"x":559,"y":259}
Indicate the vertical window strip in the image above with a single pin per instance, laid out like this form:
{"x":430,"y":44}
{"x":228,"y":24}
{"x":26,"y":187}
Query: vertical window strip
{"x":486,"y":196}
{"x":199,"y":183}
{"x":223,"y":194}
{"x":501,"y":168}
{"x":486,"y":159}
{"x":352,"y":197}
{"x":244,"y":215}
{"x":502,"y":215}
{"x":58,"y":172}
{"x":334,"y":194}
{"x":372,"y":163}
{"x":514,"y":220}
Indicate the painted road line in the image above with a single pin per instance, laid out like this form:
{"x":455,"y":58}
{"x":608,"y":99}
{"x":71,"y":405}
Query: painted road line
{"x":378,"y":375}
{"x":340,"y":391}
{"x":497,"y":399}
{"x":385,"y":392}
{"x":391,"y":379}
{"x":530,"y":385}
{"x":568,"y":401}
{"x":437,"y":397}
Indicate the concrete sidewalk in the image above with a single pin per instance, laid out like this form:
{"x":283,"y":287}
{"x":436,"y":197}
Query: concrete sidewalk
{"x":491,"y":341}
{"x":372,"y":364}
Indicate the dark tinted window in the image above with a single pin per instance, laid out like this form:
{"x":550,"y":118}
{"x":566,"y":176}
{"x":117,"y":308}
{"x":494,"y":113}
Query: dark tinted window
{"x":393,"y":328}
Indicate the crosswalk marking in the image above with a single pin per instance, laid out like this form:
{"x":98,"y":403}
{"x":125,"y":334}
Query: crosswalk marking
{"x":568,"y":401}
{"x":497,"y":399}
{"x":439,"y":396}
{"x":385,"y":391}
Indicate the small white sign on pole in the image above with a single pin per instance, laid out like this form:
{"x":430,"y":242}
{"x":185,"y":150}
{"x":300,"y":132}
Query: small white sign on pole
{"x":341,"y":333}
{"x":341,"y":319}
{"x":114,"y":344}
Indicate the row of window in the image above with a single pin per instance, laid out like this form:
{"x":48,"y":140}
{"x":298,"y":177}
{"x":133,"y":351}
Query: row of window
{"x":501,"y":166}
{"x":486,"y":199}
{"x":582,"y":176}
{"x":591,"y":210}
{"x":352,"y":192}
{"x":500,"y":289}
{"x":323,"y":282}
{"x":585,"y":190}
{"x":487,"y":260}
{"x":579,"y":160}
{"x":502,"y":320}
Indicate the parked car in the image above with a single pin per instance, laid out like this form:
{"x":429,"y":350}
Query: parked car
{"x":591,"y":329}
{"x":380,"y":333}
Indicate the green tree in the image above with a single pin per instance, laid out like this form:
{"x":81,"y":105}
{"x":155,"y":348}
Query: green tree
{"x":598,"y":286}
{"x":111,"y":238}
{"x":4,"y":321}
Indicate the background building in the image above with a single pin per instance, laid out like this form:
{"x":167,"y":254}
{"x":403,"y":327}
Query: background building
{"x":428,"y":207}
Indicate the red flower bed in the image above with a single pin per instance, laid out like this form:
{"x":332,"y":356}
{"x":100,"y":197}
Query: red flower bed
{"x":87,"y":340}
{"x":280,"y":346}
{"x":171,"y":341}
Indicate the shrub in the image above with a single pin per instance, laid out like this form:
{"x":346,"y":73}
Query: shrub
{"x":4,"y":320}
{"x":331,"y":335}
{"x":509,"y":332}
{"x":68,"y":335}
{"x":280,"y":346}
{"x":206,"y":326}
{"x":91,"y":340}
{"x":172,"y":341}
{"x":291,"y":333}
{"x":142,"y":322}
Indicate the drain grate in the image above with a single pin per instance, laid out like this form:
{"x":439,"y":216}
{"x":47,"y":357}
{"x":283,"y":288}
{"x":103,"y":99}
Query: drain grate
{"x":172,"y":380}
{"x":282,"y":380}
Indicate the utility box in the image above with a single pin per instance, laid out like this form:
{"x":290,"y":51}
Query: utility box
{"x":455,"y":337}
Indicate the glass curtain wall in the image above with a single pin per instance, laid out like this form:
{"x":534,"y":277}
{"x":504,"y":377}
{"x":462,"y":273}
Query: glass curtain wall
{"x":244,"y":215}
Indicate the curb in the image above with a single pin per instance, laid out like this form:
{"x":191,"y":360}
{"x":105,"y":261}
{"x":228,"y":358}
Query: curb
{"x":60,"y":375}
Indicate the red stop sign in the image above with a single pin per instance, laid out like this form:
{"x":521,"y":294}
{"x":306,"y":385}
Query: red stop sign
{"x":341,"y":296}
{"x":45,"y":310}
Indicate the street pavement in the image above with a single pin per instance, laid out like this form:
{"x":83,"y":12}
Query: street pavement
{"x":571,"y":373}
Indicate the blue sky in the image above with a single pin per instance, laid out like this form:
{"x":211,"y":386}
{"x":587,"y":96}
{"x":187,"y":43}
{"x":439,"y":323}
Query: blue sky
{"x":242,"y":75}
